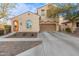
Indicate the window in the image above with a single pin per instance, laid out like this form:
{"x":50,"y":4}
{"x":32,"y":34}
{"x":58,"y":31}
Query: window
{"x":77,"y":24}
{"x":28,"y":24}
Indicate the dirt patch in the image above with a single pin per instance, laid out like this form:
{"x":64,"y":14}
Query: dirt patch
{"x":23,"y":35}
{"x":12,"y":48}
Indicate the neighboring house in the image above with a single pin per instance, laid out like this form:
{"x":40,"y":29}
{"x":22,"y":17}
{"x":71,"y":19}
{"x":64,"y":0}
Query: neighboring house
{"x":77,"y":24}
{"x":2,"y":27}
{"x":67,"y":24}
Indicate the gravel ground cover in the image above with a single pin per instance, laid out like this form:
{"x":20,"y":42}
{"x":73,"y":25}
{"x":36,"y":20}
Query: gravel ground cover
{"x":12,"y":48}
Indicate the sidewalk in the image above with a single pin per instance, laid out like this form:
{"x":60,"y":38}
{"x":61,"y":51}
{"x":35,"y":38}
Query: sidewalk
{"x":35,"y":51}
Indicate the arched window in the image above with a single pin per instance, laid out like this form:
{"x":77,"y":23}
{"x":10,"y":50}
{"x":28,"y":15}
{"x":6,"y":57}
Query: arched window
{"x":28,"y":24}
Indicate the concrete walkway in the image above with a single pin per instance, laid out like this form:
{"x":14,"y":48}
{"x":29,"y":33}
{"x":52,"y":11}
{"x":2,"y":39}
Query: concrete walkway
{"x":54,"y":44}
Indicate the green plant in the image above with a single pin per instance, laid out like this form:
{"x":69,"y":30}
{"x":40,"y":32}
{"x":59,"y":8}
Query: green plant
{"x":7,"y":28}
{"x":68,"y":30}
{"x":1,"y":32}
{"x":4,"y":9}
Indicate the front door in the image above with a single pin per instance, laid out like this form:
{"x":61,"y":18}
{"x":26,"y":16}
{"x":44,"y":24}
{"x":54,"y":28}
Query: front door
{"x":77,"y":24}
{"x":15,"y":26}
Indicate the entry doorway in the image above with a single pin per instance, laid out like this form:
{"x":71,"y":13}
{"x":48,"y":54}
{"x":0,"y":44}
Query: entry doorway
{"x":15,"y":25}
{"x":77,"y":24}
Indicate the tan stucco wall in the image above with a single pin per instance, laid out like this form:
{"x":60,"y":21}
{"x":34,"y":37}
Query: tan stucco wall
{"x":45,"y":8}
{"x":24,"y":17}
{"x":45,"y":18}
{"x":2,"y":27}
{"x":35,"y":22}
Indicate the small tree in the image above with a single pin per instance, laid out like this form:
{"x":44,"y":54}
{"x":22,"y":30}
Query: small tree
{"x":4,"y":9}
{"x":54,"y":11}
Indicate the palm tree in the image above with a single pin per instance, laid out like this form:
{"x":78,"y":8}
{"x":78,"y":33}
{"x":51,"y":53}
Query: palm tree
{"x":68,"y":9}
{"x":71,"y":15}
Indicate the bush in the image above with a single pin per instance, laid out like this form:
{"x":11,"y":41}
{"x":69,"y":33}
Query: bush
{"x":1,"y":32}
{"x":68,"y":30}
{"x":7,"y":28}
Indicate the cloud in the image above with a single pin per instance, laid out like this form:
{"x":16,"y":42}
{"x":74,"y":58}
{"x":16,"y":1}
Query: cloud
{"x":20,"y":8}
{"x":24,"y":7}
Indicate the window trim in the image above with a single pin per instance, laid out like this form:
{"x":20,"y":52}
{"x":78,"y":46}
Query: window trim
{"x":28,"y":22}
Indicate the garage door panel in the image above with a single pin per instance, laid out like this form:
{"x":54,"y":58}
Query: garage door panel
{"x":47,"y":27}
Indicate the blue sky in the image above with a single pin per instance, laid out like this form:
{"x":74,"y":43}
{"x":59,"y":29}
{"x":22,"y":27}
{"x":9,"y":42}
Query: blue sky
{"x":25,"y":7}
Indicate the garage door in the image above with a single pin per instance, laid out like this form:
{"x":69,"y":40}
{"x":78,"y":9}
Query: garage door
{"x":47,"y":27}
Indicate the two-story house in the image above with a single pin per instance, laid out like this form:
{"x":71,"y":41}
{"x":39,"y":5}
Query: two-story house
{"x":47,"y":24}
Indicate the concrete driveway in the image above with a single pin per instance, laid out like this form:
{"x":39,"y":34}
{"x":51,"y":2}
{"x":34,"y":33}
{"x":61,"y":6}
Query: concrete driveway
{"x":55,"y":44}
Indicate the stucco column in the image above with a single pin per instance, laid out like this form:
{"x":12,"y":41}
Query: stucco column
{"x":74,"y":27}
{"x":57,"y":27}
{"x":20,"y":23}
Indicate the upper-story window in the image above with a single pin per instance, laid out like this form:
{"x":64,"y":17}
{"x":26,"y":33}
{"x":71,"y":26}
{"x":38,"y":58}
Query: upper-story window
{"x":28,"y":24}
{"x":42,"y":12}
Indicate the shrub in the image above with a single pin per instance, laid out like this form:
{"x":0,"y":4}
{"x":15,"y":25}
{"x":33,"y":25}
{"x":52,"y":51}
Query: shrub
{"x":68,"y":30}
{"x":1,"y":32}
{"x":7,"y":28}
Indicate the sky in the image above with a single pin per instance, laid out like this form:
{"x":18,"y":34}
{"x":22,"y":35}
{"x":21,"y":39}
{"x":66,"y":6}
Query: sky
{"x":22,"y":8}
{"x":25,"y":7}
